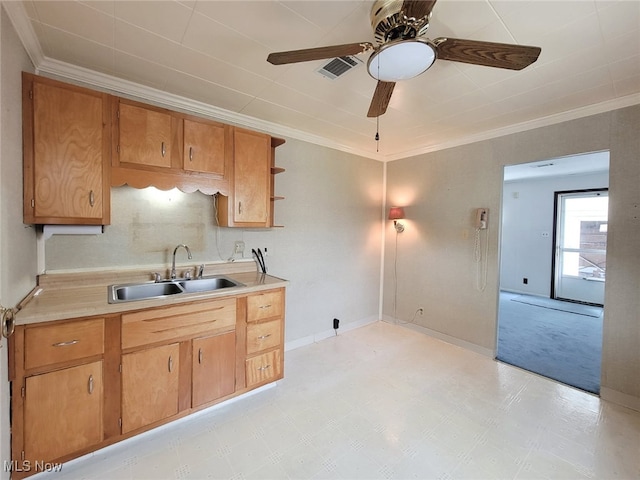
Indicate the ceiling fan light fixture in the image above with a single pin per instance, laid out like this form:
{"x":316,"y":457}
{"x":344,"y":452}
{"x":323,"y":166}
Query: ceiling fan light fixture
{"x":401,"y":60}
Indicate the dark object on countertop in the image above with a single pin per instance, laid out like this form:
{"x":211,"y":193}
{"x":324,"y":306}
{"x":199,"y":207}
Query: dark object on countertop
{"x":259,"y":259}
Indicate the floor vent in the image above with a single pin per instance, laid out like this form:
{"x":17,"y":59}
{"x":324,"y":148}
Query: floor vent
{"x":339,"y":66}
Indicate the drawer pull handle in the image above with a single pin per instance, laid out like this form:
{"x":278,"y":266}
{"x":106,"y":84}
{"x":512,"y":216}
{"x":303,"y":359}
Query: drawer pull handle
{"x":65,"y":344}
{"x":240,"y":208}
{"x":190,"y":154}
{"x":90,"y":384}
{"x":170,"y":363}
{"x":264,"y":368}
{"x":265,"y":306}
{"x":200,"y":355}
{"x":262,"y":337}
{"x":164,"y":150}
{"x":92,"y":198}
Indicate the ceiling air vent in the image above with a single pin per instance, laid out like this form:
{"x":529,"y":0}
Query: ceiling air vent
{"x":339,"y":66}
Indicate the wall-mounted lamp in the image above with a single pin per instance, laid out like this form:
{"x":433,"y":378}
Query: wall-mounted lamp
{"x":395,"y":214}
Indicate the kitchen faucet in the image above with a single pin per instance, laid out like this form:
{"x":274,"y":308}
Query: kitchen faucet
{"x":173,"y":263}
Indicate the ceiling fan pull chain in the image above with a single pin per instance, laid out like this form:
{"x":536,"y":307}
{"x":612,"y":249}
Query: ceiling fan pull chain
{"x":378,"y":121}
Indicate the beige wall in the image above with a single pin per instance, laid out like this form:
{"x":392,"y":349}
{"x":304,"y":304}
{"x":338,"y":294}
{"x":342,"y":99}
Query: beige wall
{"x":436,"y":268}
{"x":621,"y":344}
{"x":17,"y":243}
{"x":329,"y":248}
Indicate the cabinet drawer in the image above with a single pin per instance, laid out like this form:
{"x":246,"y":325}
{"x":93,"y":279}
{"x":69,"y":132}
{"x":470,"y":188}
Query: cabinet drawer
{"x":264,"y":368}
{"x":57,"y":343}
{"x":263,"y":336}
{"x":161,"y":324}
{"x":265,"y":305}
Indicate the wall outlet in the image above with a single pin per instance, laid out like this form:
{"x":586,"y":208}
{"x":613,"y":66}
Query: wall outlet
{"x":238,"y":247}
{"x":336,"y":323}
{"x":525,"y":280}
{"x":420,"y":311}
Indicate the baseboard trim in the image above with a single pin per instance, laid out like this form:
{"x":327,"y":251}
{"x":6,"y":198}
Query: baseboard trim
{"x":620,"y":398}
{"x":487,"y":352}
{"x":316,"y":337}
{"x":522,"y":292}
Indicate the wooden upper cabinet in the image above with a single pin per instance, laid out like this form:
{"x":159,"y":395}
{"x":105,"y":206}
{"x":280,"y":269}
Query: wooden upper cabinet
{"x":166,"y":149}
{"x":252,"y":170}
{"x":204,"y":147}
{"x":248,"y":204}
{"x":67,"y":141}
{"x":146,"y":135}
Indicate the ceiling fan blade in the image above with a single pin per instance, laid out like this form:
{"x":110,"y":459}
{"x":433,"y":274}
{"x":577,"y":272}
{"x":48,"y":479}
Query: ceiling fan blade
{"x":417,"y":8}
{"x":381,"y":98}
{"x":490,"y":54}
{"x":319,"y":53}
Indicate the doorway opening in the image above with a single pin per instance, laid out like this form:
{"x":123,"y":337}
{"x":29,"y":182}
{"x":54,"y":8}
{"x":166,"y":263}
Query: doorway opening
{"x":553,"y":236}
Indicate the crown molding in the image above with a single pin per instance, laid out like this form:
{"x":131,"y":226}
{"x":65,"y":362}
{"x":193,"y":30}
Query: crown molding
{"x":43,"y":64}
{"x":118,"y":86}
{"x":20,"y":20}
{"x":125,"y":87}
{"x":18,"y":16}
{"x":549,"y":120}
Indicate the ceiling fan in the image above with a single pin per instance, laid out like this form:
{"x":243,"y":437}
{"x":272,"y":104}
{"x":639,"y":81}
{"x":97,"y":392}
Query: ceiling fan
{"x":402,"y":52}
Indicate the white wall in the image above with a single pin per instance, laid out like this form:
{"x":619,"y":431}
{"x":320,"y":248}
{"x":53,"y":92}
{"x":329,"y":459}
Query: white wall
{"x":17,"y":243}
{"x":527,"y":212}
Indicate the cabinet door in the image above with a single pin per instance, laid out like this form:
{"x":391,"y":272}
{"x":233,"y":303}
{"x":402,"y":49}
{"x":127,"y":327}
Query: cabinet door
{"x":145,"y":136}
{"x":149,"y":386}
{"x":63,"y":412}
{"x":252,"y":177}
{"x":68,"y":153}
{"x":214,"y":367}
{"x":204,"y":147}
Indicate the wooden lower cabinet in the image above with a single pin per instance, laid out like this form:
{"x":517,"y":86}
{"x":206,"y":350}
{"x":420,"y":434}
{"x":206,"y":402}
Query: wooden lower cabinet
{"x":264,"y":368}
{"x":214,"y":368}
{"x":81,"y":384}
{"x":150,"y":386}
{"x":264,"y":342}
{"x":63,"y":412}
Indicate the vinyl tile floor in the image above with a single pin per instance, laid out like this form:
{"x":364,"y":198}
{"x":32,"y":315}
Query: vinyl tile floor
{"x":386,"y":402}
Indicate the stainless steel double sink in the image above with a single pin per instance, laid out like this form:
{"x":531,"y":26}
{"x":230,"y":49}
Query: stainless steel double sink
{"x":149,"y":290}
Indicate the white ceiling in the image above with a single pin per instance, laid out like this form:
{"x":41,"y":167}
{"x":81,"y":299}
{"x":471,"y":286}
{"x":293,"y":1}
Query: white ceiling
{"x":214,"y":53}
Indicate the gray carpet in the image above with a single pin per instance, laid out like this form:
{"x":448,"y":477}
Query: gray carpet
{"x":559,"y":340}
